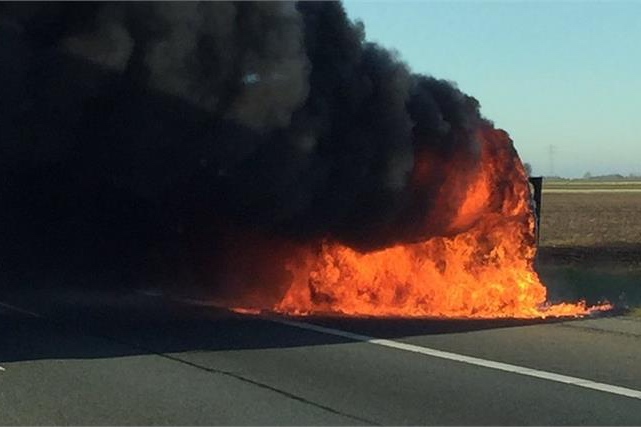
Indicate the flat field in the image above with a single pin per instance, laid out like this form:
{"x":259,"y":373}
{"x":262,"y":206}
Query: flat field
{"x":590,"y":241}
{"x":580,"y":185}
{"x":595,"y":219}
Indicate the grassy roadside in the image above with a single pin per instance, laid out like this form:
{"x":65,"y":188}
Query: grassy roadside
{"x":590,"y":184}
{"x":620,"y":286}
{"x":590,"y":245}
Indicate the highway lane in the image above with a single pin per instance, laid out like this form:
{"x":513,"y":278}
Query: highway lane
{"x":80,"y":368}
{"x":131,"y":359}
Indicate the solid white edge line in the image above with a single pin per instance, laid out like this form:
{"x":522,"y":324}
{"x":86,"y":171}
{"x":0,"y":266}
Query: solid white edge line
{"x":2,"y":369}
{"x":500,"y":366}
{"x":18,"y":309}
{"x":470,"y":360}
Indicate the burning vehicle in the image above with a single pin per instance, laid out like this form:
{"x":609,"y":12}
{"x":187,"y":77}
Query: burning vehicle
{"x":302,"y":168}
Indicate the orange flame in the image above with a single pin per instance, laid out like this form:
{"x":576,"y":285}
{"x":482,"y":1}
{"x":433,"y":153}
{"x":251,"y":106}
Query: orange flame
{"x":484,"y":271}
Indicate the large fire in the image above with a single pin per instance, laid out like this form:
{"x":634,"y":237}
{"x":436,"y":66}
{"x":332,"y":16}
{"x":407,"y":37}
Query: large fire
{"x":485,"y":271}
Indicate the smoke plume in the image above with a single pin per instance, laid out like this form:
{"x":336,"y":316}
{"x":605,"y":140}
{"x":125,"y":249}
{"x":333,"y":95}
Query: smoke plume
{"x":150,"y":131}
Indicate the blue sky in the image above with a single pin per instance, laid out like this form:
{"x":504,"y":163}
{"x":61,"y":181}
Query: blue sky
{"x":565,"y":75}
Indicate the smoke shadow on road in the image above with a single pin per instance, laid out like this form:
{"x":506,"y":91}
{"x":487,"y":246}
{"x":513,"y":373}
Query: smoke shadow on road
{"x":75,"y":325}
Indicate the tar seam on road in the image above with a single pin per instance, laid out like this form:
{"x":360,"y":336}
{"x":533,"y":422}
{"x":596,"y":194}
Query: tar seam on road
{"x":550,"y":376}
{"x":204,"y":368}
{"x":264,"y":386}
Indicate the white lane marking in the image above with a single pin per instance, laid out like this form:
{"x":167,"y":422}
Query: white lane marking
{"x":150,"y":292}
{"x":18,"y":309}
{"x":470,"y":360}
{"x":506,"y":367}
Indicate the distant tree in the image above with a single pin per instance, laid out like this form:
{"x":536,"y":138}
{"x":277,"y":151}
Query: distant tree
{"x":528,"y":168}
{"x":587,"y":175}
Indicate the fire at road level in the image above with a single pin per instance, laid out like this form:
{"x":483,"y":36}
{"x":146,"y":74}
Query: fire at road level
{"x":485,"y":271}
{"x":170,"y":135}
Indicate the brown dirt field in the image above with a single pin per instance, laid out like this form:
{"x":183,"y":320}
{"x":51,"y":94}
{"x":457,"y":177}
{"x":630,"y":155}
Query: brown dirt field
{"x":590,"y":219}
{"x":590,"y":246}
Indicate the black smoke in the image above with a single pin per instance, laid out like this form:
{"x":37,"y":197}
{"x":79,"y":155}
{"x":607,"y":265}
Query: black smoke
{"x":137,"y":135}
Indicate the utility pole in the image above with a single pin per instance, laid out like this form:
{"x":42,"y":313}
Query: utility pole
{"x":551,"y":152}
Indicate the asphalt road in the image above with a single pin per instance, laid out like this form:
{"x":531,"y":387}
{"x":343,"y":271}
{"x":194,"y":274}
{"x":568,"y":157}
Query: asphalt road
{"x":127,"y":358}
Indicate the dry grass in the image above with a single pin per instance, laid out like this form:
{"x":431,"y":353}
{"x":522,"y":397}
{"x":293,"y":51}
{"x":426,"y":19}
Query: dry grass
{"x":592,"y":185}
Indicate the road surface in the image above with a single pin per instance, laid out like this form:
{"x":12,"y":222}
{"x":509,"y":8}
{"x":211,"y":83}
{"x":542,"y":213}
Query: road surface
{"x":72,"y":357}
